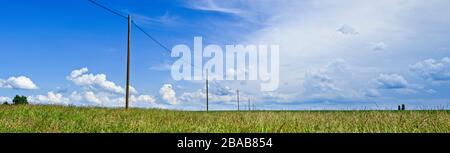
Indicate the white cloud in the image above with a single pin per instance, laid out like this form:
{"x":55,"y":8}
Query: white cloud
{"x":111,"y":100}
{"x":218,"y":89}
{"x":215,"y":6}
{"x":168,"y":94}
{"x":217,"y":94}
{"x":91,"y":97}
{"x":96,"y":90}
{"x":200,"y":96}
{"x":3,"y":99}
{"x":20,"y":82}
{"x":431,"y":91}
{"x":143,"y":98}
{"x":75,"y":96}
{"x":50,"y":98}
{"x":445,"y":49}
{"x":372,"y":93}
{"x":391,"y":81}
{"x":187,"y":97}
{"x":433,"y":70}
{"x":277,"y":97}
{"x":347,"y":30}
{"x":166,"y":19}
{"x":334,"y":80}
{"x":96,"y":82}
{"x":324,"y":79}
{"x":319,"y":82}
{"x":377,"y":46}
{"x":161,"y":67}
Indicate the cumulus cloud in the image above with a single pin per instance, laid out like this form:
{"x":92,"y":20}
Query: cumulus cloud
{"x":218,"y":89}
{"x":312,"y":32}
{"x":51,"y":98}
{"x":319,"y":82}
{"x":3,"y":99}
{"x":96,"y":90}
{"x":168,"y":94}
{"x":187,"y":97}
{"x":347,"y":30}
{"x":112,"y":100}
{"x":143,"y":98}
{"x":200,"y":95}
{"x":323,"y":79}
{"x":391,"y":81}
{"x":92,"y":97}
{"x":20,"y":82}
{"x":75,"y":96}
{"x":217,"y":93}
{"x":96,"y":82}
{"x":433,"y":70}
{"x":377,"y":46}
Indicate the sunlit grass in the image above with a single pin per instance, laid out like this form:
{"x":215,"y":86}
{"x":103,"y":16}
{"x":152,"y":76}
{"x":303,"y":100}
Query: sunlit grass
{"x":84,"y":119}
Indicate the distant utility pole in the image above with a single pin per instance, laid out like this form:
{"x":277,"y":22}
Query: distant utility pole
{"x":248,"y":104}
{"x":128,"y":64}
{"x":237,"y":91}
{"x":207,"y":90}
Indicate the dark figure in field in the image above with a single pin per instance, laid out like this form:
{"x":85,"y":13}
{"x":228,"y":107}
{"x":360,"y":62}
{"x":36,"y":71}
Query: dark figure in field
{"x":403,"y":106}
{"x":399,"y":107}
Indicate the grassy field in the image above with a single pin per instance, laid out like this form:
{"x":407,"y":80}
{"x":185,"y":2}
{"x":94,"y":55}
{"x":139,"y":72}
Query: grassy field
{"x":76,"y":119}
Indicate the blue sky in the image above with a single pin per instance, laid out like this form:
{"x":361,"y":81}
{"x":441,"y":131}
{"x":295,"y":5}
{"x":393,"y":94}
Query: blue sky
{"x":333,"y":55}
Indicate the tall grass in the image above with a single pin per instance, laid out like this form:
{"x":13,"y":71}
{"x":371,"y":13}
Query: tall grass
{"x":84,"y":119}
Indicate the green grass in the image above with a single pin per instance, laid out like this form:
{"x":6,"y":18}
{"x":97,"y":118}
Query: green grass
{"x":84,"y":119}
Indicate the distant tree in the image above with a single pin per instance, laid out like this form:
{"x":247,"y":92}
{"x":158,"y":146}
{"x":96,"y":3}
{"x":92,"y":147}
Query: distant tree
{"x":399,"y":107}
{"x":403,"y":106}
{"x":20,"y":100}
{"x":5,"y":103}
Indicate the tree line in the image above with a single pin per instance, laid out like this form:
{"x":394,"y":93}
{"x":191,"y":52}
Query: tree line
{"x":18,"y":100}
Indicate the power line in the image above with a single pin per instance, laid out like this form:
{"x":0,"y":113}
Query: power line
{"x":140,"y":29}
{"x":115,"y":12}
{"x":108,"y":9}
{"x":152,"y":38}
{"x":137,"y":26}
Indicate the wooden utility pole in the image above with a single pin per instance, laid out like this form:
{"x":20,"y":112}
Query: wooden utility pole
{"x":207,"y":107}
{"x":238,"y":98}
{"x":127,"y":92}
{"x":248,"y":104}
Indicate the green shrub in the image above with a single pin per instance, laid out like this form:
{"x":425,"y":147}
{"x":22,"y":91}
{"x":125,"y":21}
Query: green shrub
{"x":20,"y":100}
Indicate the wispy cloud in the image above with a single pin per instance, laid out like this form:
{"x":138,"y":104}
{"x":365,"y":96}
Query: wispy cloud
{"x":161,"y":67}
{"x":215,"y":6}
{"x":165,"y":19}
